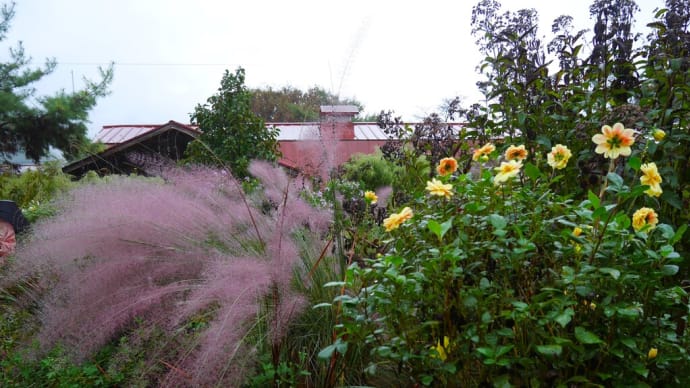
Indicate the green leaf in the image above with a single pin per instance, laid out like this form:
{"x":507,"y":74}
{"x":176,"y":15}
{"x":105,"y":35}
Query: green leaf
{"x":669,"y":270}
{"x":641,"y":370}
{"x":611,"y":271}
{"x":550,"y":350}
{"x":440,"y":230}
{"x":502,"y":381}
{"x":635,"y":163}
{"x":532,"y":171}
{"x":503,"y":349}
{"x":679,"y":234}
{"x":434,"y":227}
{"x":470,"y":302}
{"x":672,"y":199}
{"x":497,"y":221}
{"x":630,"y":343}
{"x":600,"y":213}
{"x":628,"y":312}
{"x":520,"y":306}
{"x":544,"y":140}
{"x":326,"y":352}
{"x":565,"y":317}
{"x":586,"y":337}
{"x":593,"y":199}
{"x":615,"y":179}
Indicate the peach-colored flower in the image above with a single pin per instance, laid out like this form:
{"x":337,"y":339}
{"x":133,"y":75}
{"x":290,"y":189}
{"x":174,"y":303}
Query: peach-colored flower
{"x":613,"y":142}
{"x":650,"y":177}
{"x":371,"y":197}
{"x":506,"y":171}
{"x":447,"y":166}
{"x":516,"y":153}
{"x":658,"y":134}
{"x":436,"y":187}
{"x":558,"y":157}
{"x":483,"y":152}
{"x":396,"y":219}
{"x":644,"y":216}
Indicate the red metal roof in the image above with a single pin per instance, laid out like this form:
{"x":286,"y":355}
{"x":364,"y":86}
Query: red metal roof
{"x":301,"y":145}
{"x":111,"y":135}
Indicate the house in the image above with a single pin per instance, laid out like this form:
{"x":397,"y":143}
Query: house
{"x":312,"y":148}
{"x":129,"y":147}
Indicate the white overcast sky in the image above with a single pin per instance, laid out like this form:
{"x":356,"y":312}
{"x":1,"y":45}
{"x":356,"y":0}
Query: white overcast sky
{"x":170,"y":55}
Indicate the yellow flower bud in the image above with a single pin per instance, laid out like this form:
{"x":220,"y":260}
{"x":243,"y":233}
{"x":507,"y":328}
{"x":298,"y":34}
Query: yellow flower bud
{"x":658,"y":134}
{"x":652,"y":353}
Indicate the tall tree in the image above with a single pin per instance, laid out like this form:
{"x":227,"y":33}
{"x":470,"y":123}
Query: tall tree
{"x":33,"y":124}
{"x":613,"y":55}
{"x":289,"y":104}
{"x":232,"y":134}
{"x":515,"y":68}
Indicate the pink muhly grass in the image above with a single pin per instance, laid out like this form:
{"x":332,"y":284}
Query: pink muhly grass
{"x":163,"y":250}
{"x":383,"y":194}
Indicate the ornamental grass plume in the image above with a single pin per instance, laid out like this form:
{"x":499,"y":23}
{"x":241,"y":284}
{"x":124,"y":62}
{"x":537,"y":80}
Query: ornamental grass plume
{"x":650,"y":177}
{"x":162,"y":250}
{"x":613,"y":142}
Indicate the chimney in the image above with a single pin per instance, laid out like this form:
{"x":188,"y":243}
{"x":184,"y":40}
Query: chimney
{"x":336,"y":122}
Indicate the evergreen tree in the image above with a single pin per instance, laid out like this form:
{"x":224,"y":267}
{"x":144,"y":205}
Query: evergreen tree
{"x":33,"y":124}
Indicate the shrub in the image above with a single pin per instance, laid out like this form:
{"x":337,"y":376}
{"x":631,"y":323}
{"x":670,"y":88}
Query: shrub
{"x":497,"y":279}
{"x":371,"y":171}
{"x":33,"y":190}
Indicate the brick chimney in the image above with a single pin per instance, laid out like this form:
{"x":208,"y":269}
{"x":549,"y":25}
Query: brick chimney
{"x":336,"y":122}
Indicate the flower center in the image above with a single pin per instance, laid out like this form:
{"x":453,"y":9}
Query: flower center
{"x":614,"y":141}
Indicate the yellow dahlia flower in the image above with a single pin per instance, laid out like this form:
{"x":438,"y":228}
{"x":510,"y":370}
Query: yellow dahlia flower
{"x":644,"y":216}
